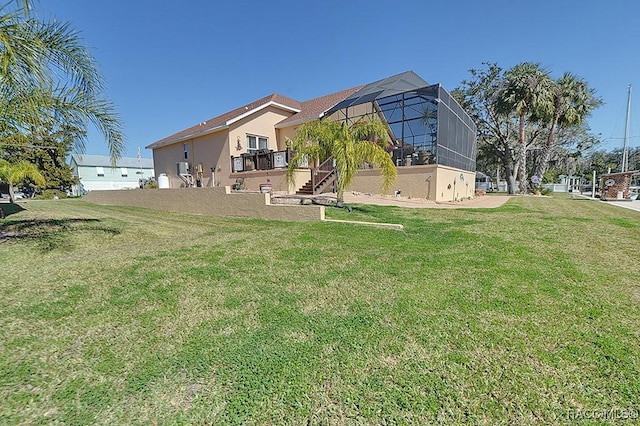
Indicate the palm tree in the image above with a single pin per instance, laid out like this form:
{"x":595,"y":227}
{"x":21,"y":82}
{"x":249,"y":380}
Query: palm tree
{"x":573,"y":102}
{"x":349,"y":146}
{"x":527,"y":92}
{"x":13,"y":174}
{"x":46,"y":71}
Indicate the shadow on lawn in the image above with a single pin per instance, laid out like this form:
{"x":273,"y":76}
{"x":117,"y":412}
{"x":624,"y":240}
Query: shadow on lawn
{"x":51,"y":234}
{"x":8,"y":209}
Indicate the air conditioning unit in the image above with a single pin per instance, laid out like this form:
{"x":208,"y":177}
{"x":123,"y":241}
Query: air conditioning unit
{"x":182,"y":168}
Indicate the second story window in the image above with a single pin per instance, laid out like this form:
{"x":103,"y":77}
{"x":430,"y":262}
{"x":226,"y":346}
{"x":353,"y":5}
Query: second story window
{"x":256,"y":143}
{"x":185,"y":148}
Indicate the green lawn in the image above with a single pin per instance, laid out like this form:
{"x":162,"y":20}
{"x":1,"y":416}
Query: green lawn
{"x":523,"y":314}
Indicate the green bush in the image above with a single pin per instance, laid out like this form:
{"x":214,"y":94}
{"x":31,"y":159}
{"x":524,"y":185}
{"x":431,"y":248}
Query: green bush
{"x":50,"y":194}
{"x":150,"y":183}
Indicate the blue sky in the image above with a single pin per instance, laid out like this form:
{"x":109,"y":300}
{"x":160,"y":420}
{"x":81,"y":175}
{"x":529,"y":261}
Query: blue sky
{"x":170,"y":64}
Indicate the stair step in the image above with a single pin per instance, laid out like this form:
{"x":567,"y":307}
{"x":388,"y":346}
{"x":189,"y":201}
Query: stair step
{"x":306,"y":189}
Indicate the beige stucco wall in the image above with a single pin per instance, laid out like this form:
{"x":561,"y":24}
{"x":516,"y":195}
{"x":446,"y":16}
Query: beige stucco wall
{"x":262,"y":123}
{"x":209,"y":150}
{"x":164,"y":161}
{"x":428,"y":181}
{"x":207,"y":201}
{"x":284,"y":134}
{"x":454,"y":184}
{"x":415,"y":181}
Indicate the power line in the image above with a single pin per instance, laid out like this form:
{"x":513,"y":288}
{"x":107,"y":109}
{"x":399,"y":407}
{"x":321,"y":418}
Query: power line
{"x":630,"y":137}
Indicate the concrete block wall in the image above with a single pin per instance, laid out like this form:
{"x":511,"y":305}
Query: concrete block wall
{"x":219,"y":201}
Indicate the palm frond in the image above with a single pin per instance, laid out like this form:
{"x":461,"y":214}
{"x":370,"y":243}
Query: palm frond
{"x":14,"y":173}
{"x":36,"y":59}
{"x":57,"y":45}
{"x":374,"y":155}
{"x":349,"y":146}
{"x":77,"y":108}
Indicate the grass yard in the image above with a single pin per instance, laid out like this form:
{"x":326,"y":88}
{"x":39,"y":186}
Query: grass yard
{"x":528,"y":313}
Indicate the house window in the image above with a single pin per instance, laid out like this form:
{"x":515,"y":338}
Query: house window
{"x":256,"y":143}
{"x":100,"y":171}
{"x":185,"y":148}
{"x":124,"y":172}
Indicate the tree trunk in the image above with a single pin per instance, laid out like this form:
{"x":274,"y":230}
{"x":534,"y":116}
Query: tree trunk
{"x":511,"y":182}
{"x":522,"y":167}
{"x":339,"y":192}
{"x":510,"y":173}
{"x":543,"y":162}
{"x":12,"y":197}
{"x":510,"y":178}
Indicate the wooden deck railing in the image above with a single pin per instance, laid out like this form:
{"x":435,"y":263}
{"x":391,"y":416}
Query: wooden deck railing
{"x":322,"y":174}
{"x":261,"y":160}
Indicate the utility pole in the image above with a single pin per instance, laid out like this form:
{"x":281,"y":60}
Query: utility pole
{"x":625,"y":151}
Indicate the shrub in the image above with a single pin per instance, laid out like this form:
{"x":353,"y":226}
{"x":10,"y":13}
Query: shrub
{"x":150,"y":183}
{"x":545,"y":191}
{"x":50,"y":194}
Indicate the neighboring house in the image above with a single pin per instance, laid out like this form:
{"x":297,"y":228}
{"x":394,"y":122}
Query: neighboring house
{"x":95,"y":173}
{"x":432,"y":141}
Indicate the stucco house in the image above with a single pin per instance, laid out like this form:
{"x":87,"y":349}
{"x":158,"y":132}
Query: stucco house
{"x":431,"y":139}
{"x":95,"y":173}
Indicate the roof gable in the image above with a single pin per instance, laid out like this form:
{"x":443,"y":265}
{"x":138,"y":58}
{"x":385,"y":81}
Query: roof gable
{"x":224,"y":120}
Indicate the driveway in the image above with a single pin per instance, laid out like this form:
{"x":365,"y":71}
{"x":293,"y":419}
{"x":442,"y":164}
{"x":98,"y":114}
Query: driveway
{"x":632,"y":205}
{"x":484,"y":202}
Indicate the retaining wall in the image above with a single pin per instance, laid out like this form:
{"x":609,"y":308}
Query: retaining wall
{"x":219,"y":201}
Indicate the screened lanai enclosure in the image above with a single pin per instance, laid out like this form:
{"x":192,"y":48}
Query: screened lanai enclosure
{"x":425,"y":124}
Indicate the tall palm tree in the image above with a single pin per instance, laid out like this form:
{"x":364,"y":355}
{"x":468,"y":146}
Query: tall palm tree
{"x":44,"y":65}
{"x":349,"y":146}
{"x":13,"y":174}
{"x":573,"y":102}
{"x":527,"y":92}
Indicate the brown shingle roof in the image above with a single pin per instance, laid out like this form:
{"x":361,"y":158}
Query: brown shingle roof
{"x":307,"y":110}
{"x":225,"y":119}
{"x":311,"y":110}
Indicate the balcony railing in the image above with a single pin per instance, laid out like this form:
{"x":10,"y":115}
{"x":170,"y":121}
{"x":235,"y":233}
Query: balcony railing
{"x":269,"y":160}
{"x":261,"y":160}
{"x":409,"y":156}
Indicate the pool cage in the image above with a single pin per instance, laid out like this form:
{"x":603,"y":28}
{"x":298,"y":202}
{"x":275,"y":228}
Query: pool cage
{"x":425,"y":124}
